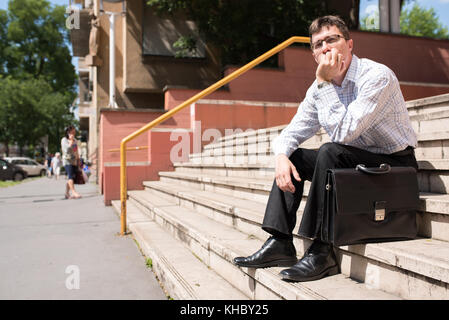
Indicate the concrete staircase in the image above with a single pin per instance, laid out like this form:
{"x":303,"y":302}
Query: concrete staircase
{"x":196,"y":219}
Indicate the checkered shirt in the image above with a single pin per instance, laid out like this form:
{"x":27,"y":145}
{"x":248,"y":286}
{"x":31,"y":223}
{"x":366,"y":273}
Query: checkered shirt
{"x":368,"y":112}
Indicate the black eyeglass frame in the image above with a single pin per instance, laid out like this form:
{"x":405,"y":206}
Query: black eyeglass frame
{"x":313,"y":46}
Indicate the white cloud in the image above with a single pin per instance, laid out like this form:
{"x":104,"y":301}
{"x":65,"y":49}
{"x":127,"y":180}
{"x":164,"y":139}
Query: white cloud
{"x":372,"y":8}
{"x":444,"y":1}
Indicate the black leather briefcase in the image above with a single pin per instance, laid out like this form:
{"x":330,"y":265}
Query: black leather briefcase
{"x":365,"y":205}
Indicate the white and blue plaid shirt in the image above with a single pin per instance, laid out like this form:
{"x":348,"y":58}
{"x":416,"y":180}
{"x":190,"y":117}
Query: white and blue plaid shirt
{"x":368,"y":112}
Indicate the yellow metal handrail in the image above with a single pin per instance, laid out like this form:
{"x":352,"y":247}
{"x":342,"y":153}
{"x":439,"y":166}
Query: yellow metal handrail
{"x":129,"y":149}
{"x":205,"y":92}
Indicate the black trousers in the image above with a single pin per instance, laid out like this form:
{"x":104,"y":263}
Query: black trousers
{"x":280,"y":213}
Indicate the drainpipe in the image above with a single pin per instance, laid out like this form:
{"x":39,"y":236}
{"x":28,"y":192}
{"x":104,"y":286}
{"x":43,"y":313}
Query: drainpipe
{"x":112,"y":15}
{"x":112,"y":103}
{"x":395,"y":13}
{"x":389,"y":13}
{"x":384,"y":16}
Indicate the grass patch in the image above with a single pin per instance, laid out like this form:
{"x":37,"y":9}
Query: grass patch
{"x":149,"y":263}
{"x":4,"y":184}
{"x":10,"y":183}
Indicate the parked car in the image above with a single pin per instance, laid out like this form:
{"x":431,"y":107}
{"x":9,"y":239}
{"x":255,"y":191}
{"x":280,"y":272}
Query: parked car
{"x":32,"y":167}
{"x":9,"y":171}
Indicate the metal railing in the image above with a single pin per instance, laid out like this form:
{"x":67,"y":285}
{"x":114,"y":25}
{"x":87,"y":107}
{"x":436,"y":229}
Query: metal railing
{"x":205,"y":92}
{"x":129,"y":149}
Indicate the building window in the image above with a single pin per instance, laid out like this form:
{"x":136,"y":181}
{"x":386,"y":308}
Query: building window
{"x":85,"y":89}
{"x":161,"y":33}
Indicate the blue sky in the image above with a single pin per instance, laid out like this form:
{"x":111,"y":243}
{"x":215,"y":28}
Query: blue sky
{"x":4,"y":3}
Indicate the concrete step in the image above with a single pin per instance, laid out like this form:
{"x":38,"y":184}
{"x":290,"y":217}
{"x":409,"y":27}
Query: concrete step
{"x":424,"y":164}
{"x":217,"y":244}
{"x":430,"y":145}
{"x":260,"y":139}
{"x":433,"y":174}
{"x":182,"y":274}
{"x":246,"y":216}
{"x":428,"y":116}
{"x":433,"y":220}
{"x":428,"y":105}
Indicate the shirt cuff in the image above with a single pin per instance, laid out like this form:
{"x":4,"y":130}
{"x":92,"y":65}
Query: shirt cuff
{"x":282,"y":150}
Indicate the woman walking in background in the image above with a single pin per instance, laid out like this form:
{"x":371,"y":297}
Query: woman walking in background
{"x":70,"y":160}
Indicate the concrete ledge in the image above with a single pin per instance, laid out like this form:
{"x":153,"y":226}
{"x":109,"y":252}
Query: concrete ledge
{"x":443,"y":98}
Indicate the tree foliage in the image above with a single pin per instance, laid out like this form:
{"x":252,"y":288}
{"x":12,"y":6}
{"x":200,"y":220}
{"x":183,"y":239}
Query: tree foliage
{"x":37,"y":78}
{"x":30,"y":110}
{"x":422,"y":22}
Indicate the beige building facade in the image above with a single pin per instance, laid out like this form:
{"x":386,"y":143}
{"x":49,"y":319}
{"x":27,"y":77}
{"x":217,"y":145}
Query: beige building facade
{"x":145,"y":63}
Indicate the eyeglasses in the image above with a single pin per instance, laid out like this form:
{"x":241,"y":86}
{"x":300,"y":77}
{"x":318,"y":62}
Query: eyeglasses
{"x":329,"y":40}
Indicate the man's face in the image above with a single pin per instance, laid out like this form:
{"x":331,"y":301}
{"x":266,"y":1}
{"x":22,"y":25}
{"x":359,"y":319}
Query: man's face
{"x":336,"y":42}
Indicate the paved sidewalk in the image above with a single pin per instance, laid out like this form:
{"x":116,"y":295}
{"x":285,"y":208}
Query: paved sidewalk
{"x":49,"y":244}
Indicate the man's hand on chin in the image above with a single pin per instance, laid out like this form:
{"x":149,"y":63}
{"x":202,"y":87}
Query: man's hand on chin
{"x":330,"y":66}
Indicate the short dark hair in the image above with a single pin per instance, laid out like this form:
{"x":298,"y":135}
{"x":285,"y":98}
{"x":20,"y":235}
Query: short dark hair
{"x":67,"y":130}
{"x":328,"y":21}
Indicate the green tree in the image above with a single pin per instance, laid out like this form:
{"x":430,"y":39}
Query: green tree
{"x":28,"y":108}
{"x":37,"y":77}
{"x":3,"y":40}
{"x":422,"y":23}
{"x":38,"y":43}
{"x":370,"y":22}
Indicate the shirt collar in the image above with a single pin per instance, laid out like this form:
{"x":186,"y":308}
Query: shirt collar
{"x":352,"y":71}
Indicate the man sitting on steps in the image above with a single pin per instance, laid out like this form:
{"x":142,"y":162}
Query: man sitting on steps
{"x":359,"y":104}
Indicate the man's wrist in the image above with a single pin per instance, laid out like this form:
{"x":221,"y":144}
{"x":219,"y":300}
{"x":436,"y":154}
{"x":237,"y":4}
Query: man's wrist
{"x":323,"y":83}
{"x":320,"y":78}
{"x":280,"y":155}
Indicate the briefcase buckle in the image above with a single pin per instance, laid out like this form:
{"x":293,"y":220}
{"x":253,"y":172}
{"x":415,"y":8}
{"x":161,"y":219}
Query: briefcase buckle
{"x":379,"y":210}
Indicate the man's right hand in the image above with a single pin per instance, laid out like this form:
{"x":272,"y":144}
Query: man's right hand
{"x":330,"y":66}
{"x":284,"y":170}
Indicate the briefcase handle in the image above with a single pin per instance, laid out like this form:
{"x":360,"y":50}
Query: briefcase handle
{"x":383,"y":168}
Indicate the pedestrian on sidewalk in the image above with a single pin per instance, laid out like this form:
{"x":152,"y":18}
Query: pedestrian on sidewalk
{"x":47,"y":164}
{"x":56,"y":164}
{"x":70,"y":160}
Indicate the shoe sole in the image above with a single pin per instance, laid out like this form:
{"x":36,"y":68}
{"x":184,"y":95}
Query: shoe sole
{"x":326,"y":273}
{"x":274,"y":263}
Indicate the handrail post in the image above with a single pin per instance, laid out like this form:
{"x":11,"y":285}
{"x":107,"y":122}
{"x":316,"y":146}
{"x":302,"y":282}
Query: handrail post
{"x":123,"y":187}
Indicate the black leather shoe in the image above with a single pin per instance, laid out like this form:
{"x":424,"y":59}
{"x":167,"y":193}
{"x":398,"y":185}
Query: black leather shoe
{"x":318,"y":262}
{"x":274,"y":253}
